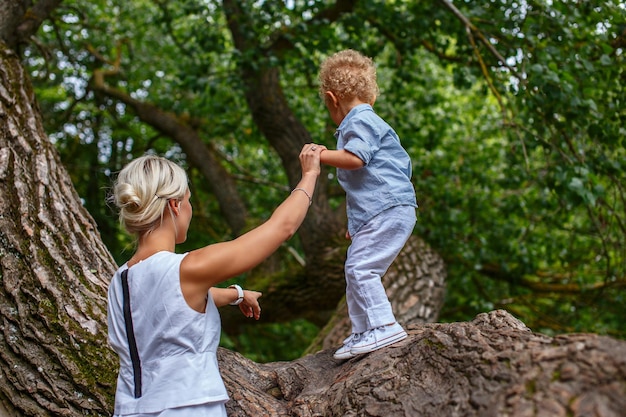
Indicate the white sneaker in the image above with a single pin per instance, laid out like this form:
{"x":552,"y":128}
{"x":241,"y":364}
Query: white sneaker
{"x":344,"y":351}
{"x":377,"y":338}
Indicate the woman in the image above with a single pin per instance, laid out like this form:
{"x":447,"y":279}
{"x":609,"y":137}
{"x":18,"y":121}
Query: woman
{"x":162,"y":306}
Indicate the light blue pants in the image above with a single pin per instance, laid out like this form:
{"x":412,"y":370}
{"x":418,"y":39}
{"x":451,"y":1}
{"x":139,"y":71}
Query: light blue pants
{"x":373,"y":249}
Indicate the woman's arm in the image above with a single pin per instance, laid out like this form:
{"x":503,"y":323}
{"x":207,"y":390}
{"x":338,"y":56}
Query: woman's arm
{"x":203,"y":268}
{"x":249,"y":306}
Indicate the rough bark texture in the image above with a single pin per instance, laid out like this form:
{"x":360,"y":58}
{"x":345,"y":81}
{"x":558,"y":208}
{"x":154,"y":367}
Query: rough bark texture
{"x":492,"y":366}
{"x":54,"y":270}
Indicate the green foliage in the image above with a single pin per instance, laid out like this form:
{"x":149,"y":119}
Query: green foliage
{"x":269,"y":342}
{"x":538,"y":208}
{"x":515,"y":126}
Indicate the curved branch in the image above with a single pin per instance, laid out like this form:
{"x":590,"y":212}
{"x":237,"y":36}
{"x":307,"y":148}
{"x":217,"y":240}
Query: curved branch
{"x":495,"y":272}
{"x":493,"y":365}
{"x":222,"y":185}
{"x":19,"y":20}
{"x":473,"y":29}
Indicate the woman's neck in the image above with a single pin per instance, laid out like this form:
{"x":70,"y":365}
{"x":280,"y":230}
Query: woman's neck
{"x":151,"y":243}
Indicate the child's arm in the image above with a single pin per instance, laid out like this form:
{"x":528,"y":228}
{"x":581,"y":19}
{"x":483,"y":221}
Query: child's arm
{"x":341,"y":159}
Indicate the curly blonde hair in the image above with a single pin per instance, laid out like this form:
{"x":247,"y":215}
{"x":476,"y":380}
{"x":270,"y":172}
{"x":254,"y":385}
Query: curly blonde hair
{"x":349,"y":74}
{"x":142,"y":190}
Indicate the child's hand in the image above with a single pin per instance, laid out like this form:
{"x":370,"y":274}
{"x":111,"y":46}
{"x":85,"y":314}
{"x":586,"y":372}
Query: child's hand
{"x":348,"y":235}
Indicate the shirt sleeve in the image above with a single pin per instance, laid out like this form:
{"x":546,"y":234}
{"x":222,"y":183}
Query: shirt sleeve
{"x":362,"y":140}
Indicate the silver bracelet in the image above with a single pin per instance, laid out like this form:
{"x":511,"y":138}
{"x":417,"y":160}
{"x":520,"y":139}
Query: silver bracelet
{"x":239,"y":295}
{"x":305,"y":192}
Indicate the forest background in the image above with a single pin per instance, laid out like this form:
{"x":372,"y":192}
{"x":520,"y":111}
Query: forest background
{"x":512,"y":111}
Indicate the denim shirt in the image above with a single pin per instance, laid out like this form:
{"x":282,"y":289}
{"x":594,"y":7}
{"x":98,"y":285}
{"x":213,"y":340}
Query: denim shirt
{"x":385,"y":179}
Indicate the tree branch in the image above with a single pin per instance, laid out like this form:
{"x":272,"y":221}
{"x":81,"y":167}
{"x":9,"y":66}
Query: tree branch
{"x":473,"y":29}
{"x":34,"y":17}
{"x":494,"y":271}
{"x":493,"y":365}
{"x":222,"y":185}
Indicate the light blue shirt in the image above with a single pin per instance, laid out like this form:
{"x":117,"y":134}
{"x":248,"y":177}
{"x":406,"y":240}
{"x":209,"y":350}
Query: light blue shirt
{"x":385,"y":179}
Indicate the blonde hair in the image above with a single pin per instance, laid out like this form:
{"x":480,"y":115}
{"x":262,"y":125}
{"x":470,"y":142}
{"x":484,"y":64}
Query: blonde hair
{"x":142,"y":190}
{"x":349,"y":74}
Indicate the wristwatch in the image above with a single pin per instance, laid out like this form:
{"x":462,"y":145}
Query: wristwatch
{"x":239,"y":295}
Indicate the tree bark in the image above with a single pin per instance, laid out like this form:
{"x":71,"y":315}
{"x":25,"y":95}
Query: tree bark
{"x":54,"y":269}
{"x":491,"y":366}
{"x":21,"y":19}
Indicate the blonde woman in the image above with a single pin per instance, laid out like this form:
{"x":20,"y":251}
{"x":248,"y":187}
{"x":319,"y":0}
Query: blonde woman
{"x":162,"y":306}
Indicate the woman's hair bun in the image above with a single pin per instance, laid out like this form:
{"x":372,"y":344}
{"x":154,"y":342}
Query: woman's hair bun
{"x":127,"y":198}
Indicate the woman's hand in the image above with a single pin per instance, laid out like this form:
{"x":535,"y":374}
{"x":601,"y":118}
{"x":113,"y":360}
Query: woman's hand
{"x":310,"y":158}
{"x":250,"y":305}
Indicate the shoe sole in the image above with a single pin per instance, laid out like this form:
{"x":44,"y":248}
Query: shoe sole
{"x":344,"y":356}
{"x":381,"y":344}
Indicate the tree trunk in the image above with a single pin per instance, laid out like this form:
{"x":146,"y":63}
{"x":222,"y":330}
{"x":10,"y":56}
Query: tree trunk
{"x":54,"y":269}
{"x":492,"y":366}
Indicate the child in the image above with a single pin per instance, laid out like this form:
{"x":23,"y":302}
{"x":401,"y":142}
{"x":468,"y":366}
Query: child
{"x":375,"y":172}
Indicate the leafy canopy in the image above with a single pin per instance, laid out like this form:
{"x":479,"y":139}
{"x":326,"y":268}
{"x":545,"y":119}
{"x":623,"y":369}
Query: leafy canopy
{"x":513,"y":113}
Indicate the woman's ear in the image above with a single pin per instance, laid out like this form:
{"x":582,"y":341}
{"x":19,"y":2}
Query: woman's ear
{"x":174,"y":205}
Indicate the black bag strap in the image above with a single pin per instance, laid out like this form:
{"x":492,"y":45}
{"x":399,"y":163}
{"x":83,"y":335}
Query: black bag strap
{"x":130,"y":334}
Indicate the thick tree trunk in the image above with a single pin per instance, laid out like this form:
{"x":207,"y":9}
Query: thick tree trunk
{"x":492,"y":366}
{"x":54,"y":269}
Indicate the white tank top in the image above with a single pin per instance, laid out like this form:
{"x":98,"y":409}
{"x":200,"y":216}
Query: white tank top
{"x":177,"y":346}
